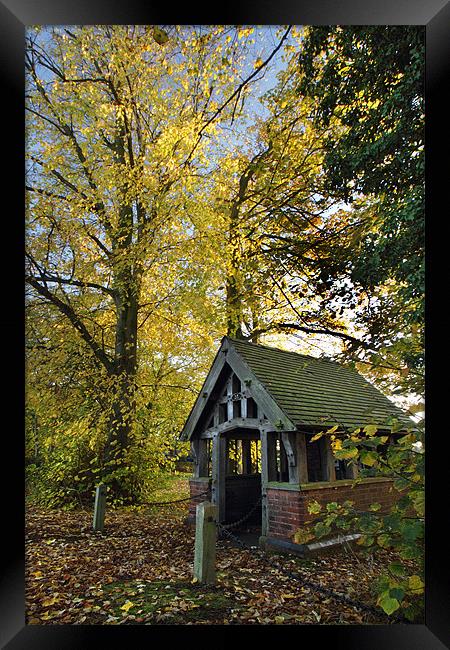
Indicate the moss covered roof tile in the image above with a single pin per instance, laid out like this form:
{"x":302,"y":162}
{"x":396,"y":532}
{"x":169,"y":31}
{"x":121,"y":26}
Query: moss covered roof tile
{"x":313,"y":391}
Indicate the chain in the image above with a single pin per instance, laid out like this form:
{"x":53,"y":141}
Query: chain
{"x":306,"y":583}
{"x":225,"y":529}
{"x":234,"y":524}
{"x":165,"y":503}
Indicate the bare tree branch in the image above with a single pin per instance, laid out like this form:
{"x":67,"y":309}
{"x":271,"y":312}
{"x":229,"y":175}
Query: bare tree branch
{"x":236,"y":93}
{"x":308,"y":330}
{"x":75,"y":283}
{"x":76,"y":321}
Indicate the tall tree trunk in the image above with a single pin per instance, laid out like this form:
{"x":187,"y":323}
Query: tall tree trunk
{"x":235,"y":289}
{"x":233,"y":284}
{"x":123,"y":404}
{"x":126,"y":282}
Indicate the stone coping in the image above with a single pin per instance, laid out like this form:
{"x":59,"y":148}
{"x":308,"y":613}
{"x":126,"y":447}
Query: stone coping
{"x":285,"y":546}
{"x":321,"y":485}
{"x":296,"y":487}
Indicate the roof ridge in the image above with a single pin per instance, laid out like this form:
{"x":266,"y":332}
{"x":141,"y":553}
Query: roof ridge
{"x":275,"y":349}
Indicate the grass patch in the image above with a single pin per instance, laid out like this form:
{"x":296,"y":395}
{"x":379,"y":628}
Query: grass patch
{"x":167,"y":487}
{"x":163,"y":602}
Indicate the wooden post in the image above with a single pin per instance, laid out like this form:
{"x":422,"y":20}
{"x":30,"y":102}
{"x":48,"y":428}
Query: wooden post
{"x":205,"y":543}
{"x":218,"y":475}
{"x":352,"y":470}
{"x":268,"y":473}
{"x":229,"y":396}
{"x":290,"y":443}
{"x":99,"y":507}
{"x":327,"y":459}
{"x":264,"y":481}
{"x":194,"y":453}
{"x":244,"y":406}
{"x":199,"y":450}
{"x":302,"y":459}
{"x":246,"y":456}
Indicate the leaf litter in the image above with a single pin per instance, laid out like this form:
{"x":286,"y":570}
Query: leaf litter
{"x":139,"y":571}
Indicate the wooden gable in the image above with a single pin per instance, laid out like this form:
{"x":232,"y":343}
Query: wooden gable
{"x":227,"y":397}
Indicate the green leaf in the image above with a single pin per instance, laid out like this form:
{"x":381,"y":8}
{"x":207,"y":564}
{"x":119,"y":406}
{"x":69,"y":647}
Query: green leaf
{"x":415,"y":584}
{"x":397,"y":569}
{"x":369,"y":458}
{"x":384,"y":540}
{"x":314,"y":507}
{"x":412,"y":552}
{"x":389,"y":604}
{"x":321,"y":529}
{"x":346,"y":454}
{"x":397,"y":593}
{"x":418,"y":499}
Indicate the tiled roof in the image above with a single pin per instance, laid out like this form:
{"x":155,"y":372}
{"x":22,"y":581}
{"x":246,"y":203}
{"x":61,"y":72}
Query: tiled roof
{"x":314,"y":391}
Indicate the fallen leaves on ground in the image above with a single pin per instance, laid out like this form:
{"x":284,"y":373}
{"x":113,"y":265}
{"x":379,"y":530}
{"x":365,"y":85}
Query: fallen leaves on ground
{"x":139,"y":571}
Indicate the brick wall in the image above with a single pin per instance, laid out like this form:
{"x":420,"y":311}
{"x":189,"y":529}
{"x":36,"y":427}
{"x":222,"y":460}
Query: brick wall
{"x":197,"y":487}
{"x":288,"y":507}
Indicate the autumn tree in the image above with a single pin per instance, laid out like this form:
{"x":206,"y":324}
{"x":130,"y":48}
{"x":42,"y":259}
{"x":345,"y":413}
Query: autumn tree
{"x":152,"y":231}
{"x":113,"y":121}
{"x":366,"y":85}
{"x":283,"y":224}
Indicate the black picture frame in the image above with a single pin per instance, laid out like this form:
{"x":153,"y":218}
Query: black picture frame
{"x":15,"y":16}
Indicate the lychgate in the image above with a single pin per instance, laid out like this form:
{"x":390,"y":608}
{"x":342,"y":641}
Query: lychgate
{"x":251,"y":431}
